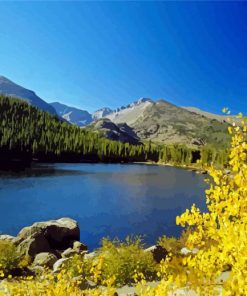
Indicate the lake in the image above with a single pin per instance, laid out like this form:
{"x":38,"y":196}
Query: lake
{"x":113,"y":200}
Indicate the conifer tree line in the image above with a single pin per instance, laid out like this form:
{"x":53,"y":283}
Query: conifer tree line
{"x":28,"y":133}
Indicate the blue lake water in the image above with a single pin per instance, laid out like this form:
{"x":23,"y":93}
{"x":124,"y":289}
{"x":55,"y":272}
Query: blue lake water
{"x":112,"y":200}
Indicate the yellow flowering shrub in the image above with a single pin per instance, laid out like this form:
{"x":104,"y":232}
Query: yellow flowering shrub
{"x":219,"y":235}
{"x":49,"y":284}
{"x":171,"y":244}
{"x":122,"y":260}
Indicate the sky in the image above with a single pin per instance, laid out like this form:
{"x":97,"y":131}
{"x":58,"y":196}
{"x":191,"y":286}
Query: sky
{"x":96,"y":54}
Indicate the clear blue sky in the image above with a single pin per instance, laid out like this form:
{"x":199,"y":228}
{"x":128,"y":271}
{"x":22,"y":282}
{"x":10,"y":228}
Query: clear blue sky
{"x":92,"y":55}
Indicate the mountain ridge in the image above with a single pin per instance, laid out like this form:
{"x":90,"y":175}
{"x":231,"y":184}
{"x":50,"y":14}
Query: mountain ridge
{"x":72,"y":114}
{"x":8,"y":87}
{"x":145,"y":119}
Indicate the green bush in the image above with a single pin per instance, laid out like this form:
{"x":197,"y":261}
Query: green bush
{"x":77,"y":266}
{"x":124,"y":260}
{"x":9,"y":257}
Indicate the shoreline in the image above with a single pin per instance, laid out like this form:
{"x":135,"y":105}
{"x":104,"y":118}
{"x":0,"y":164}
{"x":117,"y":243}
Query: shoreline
{"x":198,"y":170}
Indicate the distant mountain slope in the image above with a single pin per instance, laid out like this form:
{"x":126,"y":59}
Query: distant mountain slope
{"x":72,"y":115}
{"x":131,"y":113}
{"x":8,"y":87}
{"x":166,"y":123}
{"x":118,"y":132}
{"x":103,"y":112}
{"x":221,"y":118}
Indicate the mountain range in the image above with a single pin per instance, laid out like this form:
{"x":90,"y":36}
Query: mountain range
{"x":143,"y":120}
{"x":10,"y":88}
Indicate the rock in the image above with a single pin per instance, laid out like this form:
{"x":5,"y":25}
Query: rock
{"x":185,"y":251}
{"x":45,"y":259}
{"x":32,"y":246}
{"x":58,"y":264}
{"x":152,"y":129}
{"x":82,"y":283}
{"x":201,"y":172}
{"x":6,"y":237}
{"x":68,"y":253}
{"x":90,"y":255}
{"x":79,"y":247}
{"x":158,"y":252}
{"x":48,"y":236}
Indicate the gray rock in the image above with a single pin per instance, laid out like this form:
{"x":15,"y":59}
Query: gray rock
{"x":45,"y":259}
{"x":186,"y":251}
{"x":47,"y":236}
{"x":68,"y":253}
{"x":58,"y":264}
{"x":79,"y":247}
{"x":33,"y":245}
{"x":90,"y":255}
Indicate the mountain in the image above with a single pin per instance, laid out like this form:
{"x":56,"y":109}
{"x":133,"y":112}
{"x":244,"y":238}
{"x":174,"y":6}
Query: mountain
{"x":118,"y":132}
{"x":97,"y":122}
{"x":72,"y":115}
{"x":103,"y":112}
{"x":158,"y":121}
{"x":131,"y":113}
{"x":8,"y":87}
{"x":163,"y":122}
{"x":222,"y":118}
{"x":144,"y":119}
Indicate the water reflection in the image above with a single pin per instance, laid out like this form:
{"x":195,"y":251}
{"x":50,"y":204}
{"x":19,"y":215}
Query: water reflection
{"x":107,"y":200}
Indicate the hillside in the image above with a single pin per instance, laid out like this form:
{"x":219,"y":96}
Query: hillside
{"x":163,"y":122}
{"x":8,"y":87}
{"x":27,"y":133}
{"x":160,"y":122}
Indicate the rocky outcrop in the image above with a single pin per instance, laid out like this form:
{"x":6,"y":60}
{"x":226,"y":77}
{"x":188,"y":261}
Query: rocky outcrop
{"x":116,"y":132}
{"x":52,"y":236}
{"x":46,"y":242}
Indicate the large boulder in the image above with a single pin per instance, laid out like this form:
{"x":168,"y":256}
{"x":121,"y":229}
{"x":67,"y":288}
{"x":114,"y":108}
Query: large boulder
{"x":50,"y":236}
{"x":45,"y":259}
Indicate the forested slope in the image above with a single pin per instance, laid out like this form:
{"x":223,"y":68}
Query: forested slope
{"x":27,"y":133}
